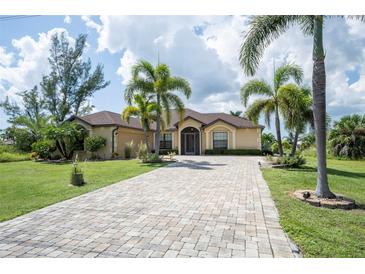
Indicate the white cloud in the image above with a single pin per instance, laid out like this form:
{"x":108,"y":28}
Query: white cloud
{"x":5,"y":58}
{"x":212,"y":66}
{"x":67,"y":19}
{"x":126,"y":63}
{"x":90,"y":23}
{"x":30,"y":65}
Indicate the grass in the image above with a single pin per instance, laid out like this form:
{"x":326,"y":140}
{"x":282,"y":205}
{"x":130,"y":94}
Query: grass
{"x":27,"y":186}
{"x":8,"y":153}
{"x":321,"y":232}
{"x":6,"y":157}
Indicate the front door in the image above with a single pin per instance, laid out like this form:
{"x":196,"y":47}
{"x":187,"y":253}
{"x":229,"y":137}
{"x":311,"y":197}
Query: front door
{"x":190,"y":143}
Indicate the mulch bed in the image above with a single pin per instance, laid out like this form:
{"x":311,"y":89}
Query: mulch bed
{"x":340,"y":202}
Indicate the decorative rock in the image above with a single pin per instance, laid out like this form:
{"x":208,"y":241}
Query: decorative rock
{"x":339,"y":202}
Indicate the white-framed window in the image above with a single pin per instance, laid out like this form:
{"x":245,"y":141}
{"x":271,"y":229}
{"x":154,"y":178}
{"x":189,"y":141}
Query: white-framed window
{"x":220,"y":140}
{"x":166,"y":141}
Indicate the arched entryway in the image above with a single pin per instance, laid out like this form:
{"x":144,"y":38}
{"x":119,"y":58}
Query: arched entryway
{"x":190,"y":140}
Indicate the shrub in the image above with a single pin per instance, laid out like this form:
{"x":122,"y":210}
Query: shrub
{"x":153,"y":158}
{"x":94,"y":143}
{"x":267,"y":139}
{"x":166,"y":151}
{"x":115,"y":155}
{"x":128,"y":149}
{"x":13,"y":157}
{"x":347,"y":138}
{"x":291,"y":161}
{"x":233,"y":152}
{"x":142,"y":152}
{"x":44,"y":148}
{"x":172,"y":156}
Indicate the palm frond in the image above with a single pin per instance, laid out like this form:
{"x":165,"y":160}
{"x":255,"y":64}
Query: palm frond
{"x":254,"y":111}
{"x":137,"y":85}
{"x":130,"y":111}
{"x":145,"y":68}
{"x":255,"y":87}
{"x":263,"y":30}
{"x":179,"y":84}
{"x":162,"y":72}
{"x":285,"y":72}
{"x":178,"y":104}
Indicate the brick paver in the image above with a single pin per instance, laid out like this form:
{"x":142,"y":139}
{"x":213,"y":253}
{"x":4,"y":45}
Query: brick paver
{"x":202,"y":206}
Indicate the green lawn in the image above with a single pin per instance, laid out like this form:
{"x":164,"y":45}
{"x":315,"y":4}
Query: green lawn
{"x":321,"y":232}
{"x":27,"y":186}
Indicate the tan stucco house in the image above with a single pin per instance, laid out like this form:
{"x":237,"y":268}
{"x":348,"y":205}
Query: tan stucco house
{"x":192,"y":135}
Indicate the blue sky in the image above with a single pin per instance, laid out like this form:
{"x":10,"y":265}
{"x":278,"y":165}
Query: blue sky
{"x":202,"y":49}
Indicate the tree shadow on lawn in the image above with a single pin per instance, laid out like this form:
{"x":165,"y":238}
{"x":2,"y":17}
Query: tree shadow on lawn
{"x":332,"y":171}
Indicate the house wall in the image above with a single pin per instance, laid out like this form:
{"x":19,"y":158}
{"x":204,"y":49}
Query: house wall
{"x":126,"y":135}
{"x":248,"y":138}
{"x":105,"y":132}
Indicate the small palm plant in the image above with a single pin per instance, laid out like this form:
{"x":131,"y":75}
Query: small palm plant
{"x":77,"y":176}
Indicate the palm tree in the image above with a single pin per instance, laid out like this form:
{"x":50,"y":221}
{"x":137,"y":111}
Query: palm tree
{"x":265,"y":29}
{"x":347,"y":138}
{"x":237,"y":113}
{"x":296,"y":108}
{"x":145,"y":110}
{"x":158,"y":82}
{"x":270,"y":104}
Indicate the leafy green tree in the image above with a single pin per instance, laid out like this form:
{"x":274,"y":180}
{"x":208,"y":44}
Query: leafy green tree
{"x":143,"y":108}
{"x":267,"y":139}
{"x":347,"y":138}
{"x":270,"y":103}
{"x":237,"y":113}
{"x":158,"y":82}
{"x":296,"y":108}
{"x":44,"y":148}
{"x":263,"y":30}
{"x":71,"y":83}
{"x":22,"y":138}
{"x":94,"y":143}
{"x":31,"y":117}
{"x":68,"y":88}
{"x":68,"y":137}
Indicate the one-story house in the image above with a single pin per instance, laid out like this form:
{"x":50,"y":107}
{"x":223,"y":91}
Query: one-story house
{"x":192,"y":135}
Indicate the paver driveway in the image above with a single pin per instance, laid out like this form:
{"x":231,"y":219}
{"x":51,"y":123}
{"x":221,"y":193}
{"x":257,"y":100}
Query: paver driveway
{"x":203,"y":206}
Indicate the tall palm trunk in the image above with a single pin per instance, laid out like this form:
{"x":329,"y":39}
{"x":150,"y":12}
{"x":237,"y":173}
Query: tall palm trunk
{"x":295,"y":142}
{"x":319,"y":108}
{"x":158,"y":126}
{"x":278,"y":132}
{"x":145,"y":137}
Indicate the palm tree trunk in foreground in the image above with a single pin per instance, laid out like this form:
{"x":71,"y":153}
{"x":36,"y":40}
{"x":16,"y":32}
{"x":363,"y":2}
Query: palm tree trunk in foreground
{"x":145,"y":138}
{"x":319,"y":108}
{"x":158,"y":128}
{"x":278,"y":133}
{"x":295,"y":142}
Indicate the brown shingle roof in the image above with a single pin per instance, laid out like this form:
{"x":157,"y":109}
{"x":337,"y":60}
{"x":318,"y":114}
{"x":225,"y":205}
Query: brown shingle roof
{"x":104,"y":118}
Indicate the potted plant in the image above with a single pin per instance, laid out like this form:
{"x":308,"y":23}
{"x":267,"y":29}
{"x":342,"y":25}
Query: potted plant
{"x":77,"y":176}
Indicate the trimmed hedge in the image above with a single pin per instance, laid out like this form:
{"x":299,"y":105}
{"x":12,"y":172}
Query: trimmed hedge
{"x":233,"y":152}
{"x":165,"y":151}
